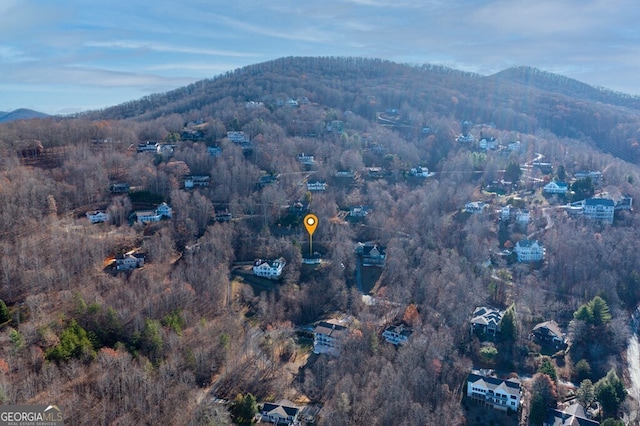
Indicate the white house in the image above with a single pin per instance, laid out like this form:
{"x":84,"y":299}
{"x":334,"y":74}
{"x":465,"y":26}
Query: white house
{"x":358,"y":211}
{"x":397,"y":334}
{"x":214,"y":151}
{"x":505,"y":212}
{"x":129,"y":261}
{"x":148,"y":146}
{"x":345,"y":174}
{"x":147,"y":216}
{"x":554,"y":187}
{"x":514,"y":146}
{"x":594,"y":176}
{"x":600,"y":209}
{"x":165,"y":148}
{"x":98,"y":217}
{"x":284,"y":413}
{"x":529,"y":251}
{"x":475,"y":207}
{"x":328,"y":337}
{"x":335,"y":126}
{"x":486,"y":320}
{"x":269,"y":268}
{"x":523,"y":217}
{"x":488,"y":143}
{"x":194,"y":180}
{"x":497,"y":393}
{"x":420,"y":171}
{"x":316,"y":186}
{"x":237,"y":137}
{"x":306,"y":159}
{"x":465,"y":139}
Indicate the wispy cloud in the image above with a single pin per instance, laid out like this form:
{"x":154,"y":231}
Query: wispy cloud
{"x":161,"y":47}
{"x":134,"y":47}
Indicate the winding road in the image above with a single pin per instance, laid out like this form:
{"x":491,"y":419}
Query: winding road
{"x":633,"y":365}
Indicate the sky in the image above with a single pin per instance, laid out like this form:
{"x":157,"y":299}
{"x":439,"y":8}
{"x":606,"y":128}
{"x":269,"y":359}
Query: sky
{"x":66,"y":56}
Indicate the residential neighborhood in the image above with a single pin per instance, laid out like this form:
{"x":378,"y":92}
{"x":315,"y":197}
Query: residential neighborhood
{"x":467,"y":265}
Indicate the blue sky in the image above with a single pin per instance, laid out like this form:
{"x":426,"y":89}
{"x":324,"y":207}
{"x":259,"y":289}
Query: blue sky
{"x":63,"y":56}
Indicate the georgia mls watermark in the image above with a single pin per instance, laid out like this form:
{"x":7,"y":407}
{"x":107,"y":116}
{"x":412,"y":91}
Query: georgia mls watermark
{"x":31,"y":415}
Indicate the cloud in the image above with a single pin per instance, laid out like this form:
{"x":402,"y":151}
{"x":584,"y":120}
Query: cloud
{"x":133,"y":47}
{"x":161,"y":47}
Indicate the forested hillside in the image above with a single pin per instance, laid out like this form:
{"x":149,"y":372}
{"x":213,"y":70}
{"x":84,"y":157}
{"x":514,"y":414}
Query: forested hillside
{"x":383,"y":154}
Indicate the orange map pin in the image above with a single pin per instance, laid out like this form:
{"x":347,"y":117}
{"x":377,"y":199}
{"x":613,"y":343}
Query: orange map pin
{"x":311,"y":222}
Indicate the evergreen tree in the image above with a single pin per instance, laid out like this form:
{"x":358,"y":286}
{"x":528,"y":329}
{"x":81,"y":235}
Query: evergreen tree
{"x":611,"y":393}
{"x":546,"y":367}
{"x":586,"y":393}
{"x":600,"y":311}
{"x":513,"y":172}
{"x":244,"y":409}
{"x":508,"y":326}
{"x":5,"y":315}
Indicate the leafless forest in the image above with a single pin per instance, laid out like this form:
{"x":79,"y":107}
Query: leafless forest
{"x":156,"y":344}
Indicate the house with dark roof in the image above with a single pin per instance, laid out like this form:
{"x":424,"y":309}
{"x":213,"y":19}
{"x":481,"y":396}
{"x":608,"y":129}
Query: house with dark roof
{"x":573,"y":415}
{"x":486,"y":320}
{"x":599,"y":209}
{"x":548,"y":333}
{"x":496,"y":393}
{"x":284,"y":413}
{"x":372,"y":254}
{"x":625,"y":203}
{"x":119,"y":188}
{"x":328,"y":337}
{"x":397,"y":334}
{"x":316,"y":186}
{"x":529,"y":251}
{"x":192,"y":181}
{"x":583,"y":174}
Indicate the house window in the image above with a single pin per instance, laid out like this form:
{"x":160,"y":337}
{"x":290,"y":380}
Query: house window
{"x":513,"y":397}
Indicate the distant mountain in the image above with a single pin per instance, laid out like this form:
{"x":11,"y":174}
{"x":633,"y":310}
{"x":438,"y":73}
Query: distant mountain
{"x":21,"y":114}
{"x":549,"y":82}
{"x":524,"y":100}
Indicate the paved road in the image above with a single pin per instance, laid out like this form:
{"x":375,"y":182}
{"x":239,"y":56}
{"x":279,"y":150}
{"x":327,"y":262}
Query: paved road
{"x":633,"y":361}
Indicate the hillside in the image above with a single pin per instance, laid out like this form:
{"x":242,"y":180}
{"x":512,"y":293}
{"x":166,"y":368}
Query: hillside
{"x":154,"y":254}
{"x":549,"y":82}
{"x":520,"y":99}
{"x":20,"y":114}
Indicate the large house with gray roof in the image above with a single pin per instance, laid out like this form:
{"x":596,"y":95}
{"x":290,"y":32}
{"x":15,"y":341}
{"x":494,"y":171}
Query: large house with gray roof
{"x":599,"y":209}
{"x":529,"y":251}
{"x":486,"y":320}
{"x":573,"y":415}
{"x":496,"y":393}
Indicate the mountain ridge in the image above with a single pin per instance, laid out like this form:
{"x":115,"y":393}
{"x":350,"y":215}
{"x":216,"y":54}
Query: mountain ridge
{"x":21,"y":114}
{"x":557,"y":83}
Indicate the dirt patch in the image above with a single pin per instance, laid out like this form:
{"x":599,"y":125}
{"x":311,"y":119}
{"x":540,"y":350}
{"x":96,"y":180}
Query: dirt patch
{"x":477,"y":414}
{"x":370,"y":277}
